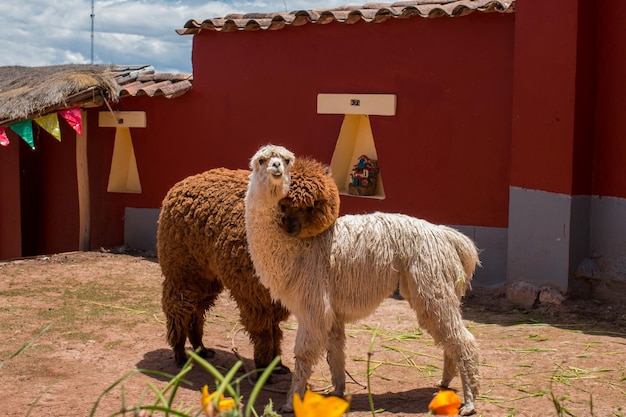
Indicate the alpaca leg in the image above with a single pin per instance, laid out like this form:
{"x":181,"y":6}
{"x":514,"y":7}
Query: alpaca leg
{"x":178,"y":313}
{"x":196,"y":330}
{"x":449,"y":370}
{"x":205,"y":296}
{"x":440,"y":315}
{"x":270,"y":347}
{"x":261,"y":318}
{"x":266,"y":344}
{"x":177,"y":317}
{"x":177,"y":336}
{"x":460,"y":350}
{"x":310,"y":343}
{"x":276,"y":339}
{"x":468,"y":366}
{"x":337,"y":358}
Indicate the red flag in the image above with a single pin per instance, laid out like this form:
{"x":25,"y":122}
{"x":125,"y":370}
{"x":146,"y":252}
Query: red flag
{"x":4,"y":140}
{"x":73,"y":117}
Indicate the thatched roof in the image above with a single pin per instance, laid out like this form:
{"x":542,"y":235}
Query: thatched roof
{"x":29,"y":92}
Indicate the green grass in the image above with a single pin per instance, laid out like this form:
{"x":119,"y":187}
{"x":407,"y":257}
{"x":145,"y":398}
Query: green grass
{"x":103,"y":302}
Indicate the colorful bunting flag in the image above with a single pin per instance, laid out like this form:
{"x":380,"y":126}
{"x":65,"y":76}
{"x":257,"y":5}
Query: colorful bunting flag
{"x":50,"y":123}
{"x":4,"y":140}
{"x":25,"y":131}
{"x":73,"y":117}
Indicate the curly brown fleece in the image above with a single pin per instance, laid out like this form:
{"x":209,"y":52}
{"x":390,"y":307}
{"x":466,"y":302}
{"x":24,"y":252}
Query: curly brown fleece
{"x":202,"y":249}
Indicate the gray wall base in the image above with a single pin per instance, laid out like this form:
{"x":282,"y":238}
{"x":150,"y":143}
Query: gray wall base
{"x":140,"y":228}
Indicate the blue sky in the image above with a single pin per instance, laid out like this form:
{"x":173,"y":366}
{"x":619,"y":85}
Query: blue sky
{"x":44,"y":32}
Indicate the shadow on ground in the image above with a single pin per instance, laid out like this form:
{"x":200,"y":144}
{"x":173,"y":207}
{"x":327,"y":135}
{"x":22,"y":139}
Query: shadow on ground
{"x":402,"y":402}
{"x":490,"y":306}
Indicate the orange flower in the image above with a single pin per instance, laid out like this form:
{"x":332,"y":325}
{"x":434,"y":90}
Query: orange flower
{"x":224,"y":404}
{"x":317,"y":405}
{"x":445,"y":403}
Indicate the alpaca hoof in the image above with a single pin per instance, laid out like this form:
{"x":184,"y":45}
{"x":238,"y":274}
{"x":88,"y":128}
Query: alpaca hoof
{"x":286,"y":408}
{"x":180,"y":359}
{"x":467,"y":410}
{"x":281,"y":369}
{"x":268,"y":381}
{"x":337,"y":393}
{"x":206,"y":353}
{"x":442,"y":384}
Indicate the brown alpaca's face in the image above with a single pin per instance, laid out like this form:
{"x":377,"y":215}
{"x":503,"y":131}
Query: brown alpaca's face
{"x":312,"y":204}
{"x":307,"y":221}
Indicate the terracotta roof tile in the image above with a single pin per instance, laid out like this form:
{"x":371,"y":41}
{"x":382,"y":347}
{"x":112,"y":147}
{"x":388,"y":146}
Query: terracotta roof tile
{"x":134,"y":81}
{"x":369,"y":12}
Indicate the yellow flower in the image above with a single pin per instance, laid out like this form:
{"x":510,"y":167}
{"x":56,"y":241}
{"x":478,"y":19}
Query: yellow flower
{"x":317,"y":405}
{"x":445,"y":403}
{"x":224,"y":404}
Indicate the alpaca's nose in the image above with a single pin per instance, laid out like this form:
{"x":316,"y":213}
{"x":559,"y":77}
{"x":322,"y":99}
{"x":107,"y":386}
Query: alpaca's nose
{"x":276,"y":167}
{"x":292,"y":225}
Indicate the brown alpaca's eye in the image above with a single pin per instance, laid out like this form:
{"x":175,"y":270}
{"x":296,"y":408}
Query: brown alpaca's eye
{"x":262,"y":161}
{"x":283,"y":208}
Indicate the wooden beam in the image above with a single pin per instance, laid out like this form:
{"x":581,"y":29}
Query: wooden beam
{"x":82,"y":177}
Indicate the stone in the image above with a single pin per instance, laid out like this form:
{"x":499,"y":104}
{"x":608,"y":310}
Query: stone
{"x":549,"y":295}
{"x":522,"y":294}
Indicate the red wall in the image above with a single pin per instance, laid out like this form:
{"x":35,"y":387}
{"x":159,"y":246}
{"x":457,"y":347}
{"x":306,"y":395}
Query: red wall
{"x":533,"y":99}
{"x":10,"y":219}
{"x":39,"y":206}
{"x":57,"y":212}
{"x":544,"y":95}
{"x":167,"y":150}
{"x":444,"y":156}
{"x":610,"y":147}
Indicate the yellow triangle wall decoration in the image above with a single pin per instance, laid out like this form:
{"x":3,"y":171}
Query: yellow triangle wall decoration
{"x":355,"y":139}
{"x":124,"y":176}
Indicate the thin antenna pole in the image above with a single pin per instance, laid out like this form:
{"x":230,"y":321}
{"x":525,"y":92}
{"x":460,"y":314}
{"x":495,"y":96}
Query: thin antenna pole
{"x":92,"y":18}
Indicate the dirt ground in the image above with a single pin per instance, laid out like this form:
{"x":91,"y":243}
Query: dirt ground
{"x":85,"y":320}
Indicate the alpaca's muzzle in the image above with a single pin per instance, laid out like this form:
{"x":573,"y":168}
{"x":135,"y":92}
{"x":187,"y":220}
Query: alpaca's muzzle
{"x":276,"y":168}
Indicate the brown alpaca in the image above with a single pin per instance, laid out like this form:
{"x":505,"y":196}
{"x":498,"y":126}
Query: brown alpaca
{"x":202,"y":249}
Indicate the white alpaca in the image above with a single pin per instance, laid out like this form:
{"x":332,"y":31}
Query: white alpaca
{"x":344,"y":273}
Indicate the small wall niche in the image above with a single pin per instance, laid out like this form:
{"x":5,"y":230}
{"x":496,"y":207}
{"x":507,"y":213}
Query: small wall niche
{"x":355,"y":137}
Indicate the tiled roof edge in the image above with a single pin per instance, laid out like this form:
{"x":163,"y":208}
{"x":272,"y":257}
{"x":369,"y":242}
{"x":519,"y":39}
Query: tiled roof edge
{"x":369,"y":12}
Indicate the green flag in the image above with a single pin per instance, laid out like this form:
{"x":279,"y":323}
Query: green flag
{"x":25,"y":131}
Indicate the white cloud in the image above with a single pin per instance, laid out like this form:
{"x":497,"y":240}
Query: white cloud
{"x":44,"y":32}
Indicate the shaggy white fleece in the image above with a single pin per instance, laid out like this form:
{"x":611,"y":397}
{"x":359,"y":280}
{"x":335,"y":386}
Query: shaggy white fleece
{"x":343,"y":274}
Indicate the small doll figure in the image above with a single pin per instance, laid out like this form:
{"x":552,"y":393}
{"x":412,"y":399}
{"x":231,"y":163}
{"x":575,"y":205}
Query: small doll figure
{"x":363,"y":178}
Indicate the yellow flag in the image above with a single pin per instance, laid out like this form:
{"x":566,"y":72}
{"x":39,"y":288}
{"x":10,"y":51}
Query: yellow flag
{"x":50,"y":123}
